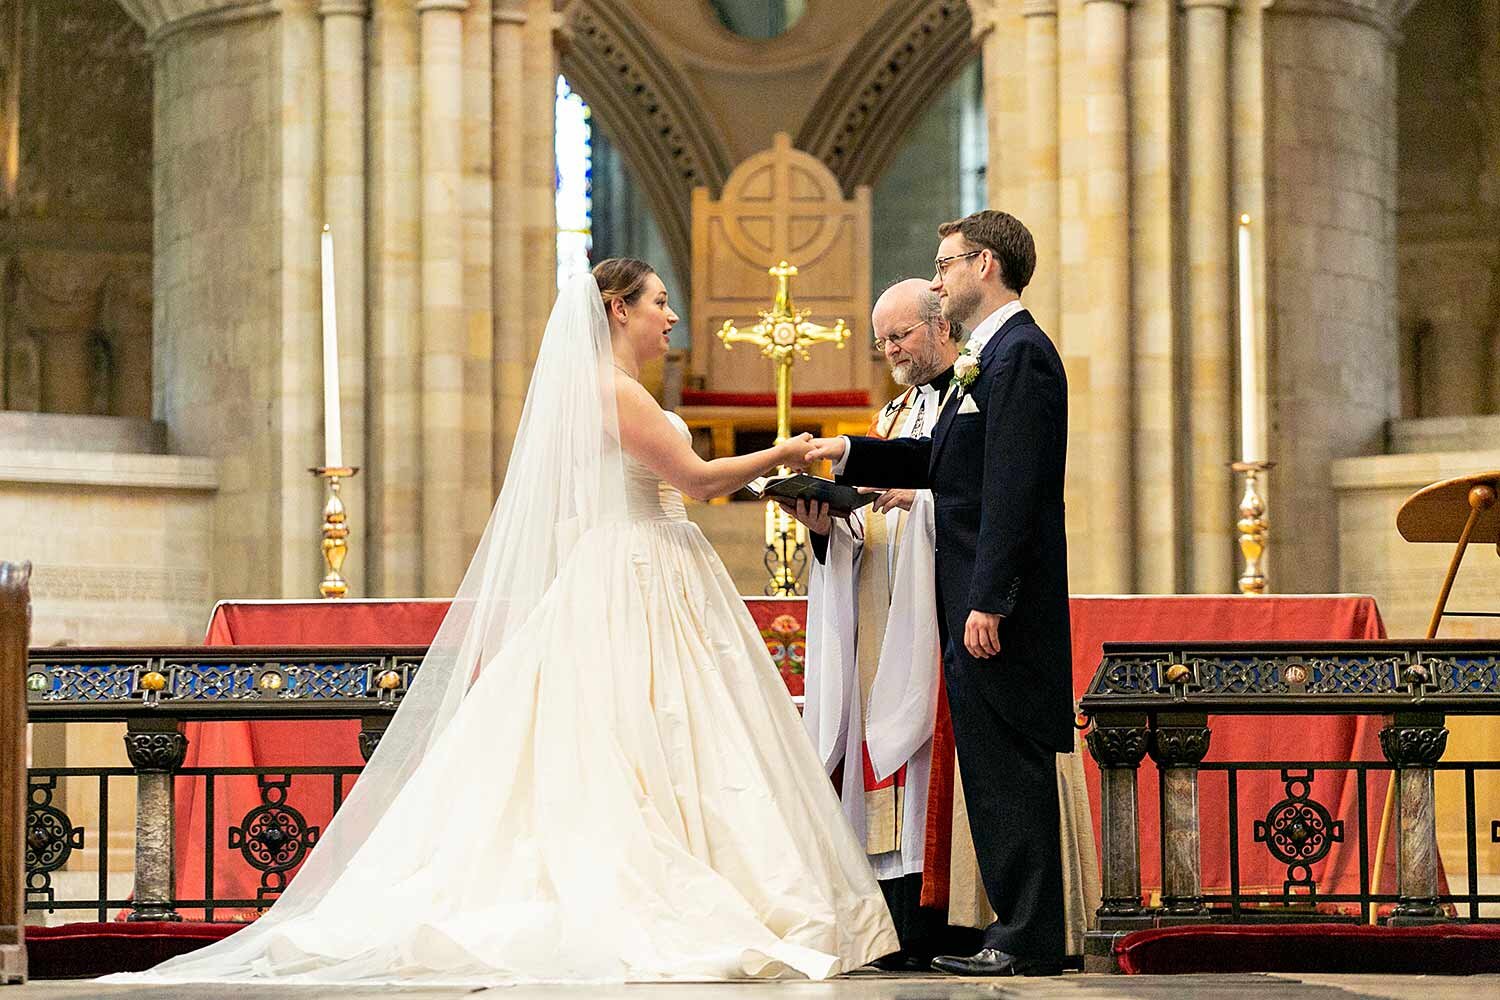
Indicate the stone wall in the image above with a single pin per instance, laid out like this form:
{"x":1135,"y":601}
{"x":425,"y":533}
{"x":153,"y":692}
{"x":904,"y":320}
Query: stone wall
{"x":1331,"y":200}
{"x":1449,"y":204}
{"x":75,"y":209}
{"x":1404,"y":578}
{"x":221,"y":384}
{"x":123,"y":551}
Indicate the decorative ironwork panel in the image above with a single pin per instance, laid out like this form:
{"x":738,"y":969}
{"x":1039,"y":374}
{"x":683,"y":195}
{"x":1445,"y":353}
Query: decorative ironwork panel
{"x":212,"y":681}
{"x":1299,"y":831}
{"x":1128,"y":675}
{"x":274,"y":837}
{"x":51,"y":838}
{"x":1465,"y":674}
{"x":85,"y":682}
{"x":1354,"y":674}
{"x":1238,"y":674}
{"x":328,"y":680}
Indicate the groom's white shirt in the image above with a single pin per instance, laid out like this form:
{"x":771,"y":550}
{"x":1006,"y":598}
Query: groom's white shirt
{"x":987,"y":328}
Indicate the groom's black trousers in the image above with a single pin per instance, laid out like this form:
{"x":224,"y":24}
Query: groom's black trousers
{"x":1010,"y":790}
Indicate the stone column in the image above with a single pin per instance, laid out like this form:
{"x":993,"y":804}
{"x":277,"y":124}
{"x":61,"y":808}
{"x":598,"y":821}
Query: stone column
{"x":1331,"y":309}
{"x":1178,"y":745}
{"x":296,"y":497}
{"x":443,"y":333}
{"x":1414,"y":742}
{"x":156,"y":750}
{"x":1042,"y":218}
{"x":395,"y":474}
{"x":511,"y":350}
{"x":344,"y":211}
{"x":478,"y":272}
{"x":1210,"y":275}
{"x":1118,"y":745}
{"x":538,"y":276}
{"x":998,"y":27}
{"x":1111,"y":470}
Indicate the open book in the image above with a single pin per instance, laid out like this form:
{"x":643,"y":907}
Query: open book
{"x":841,"y":500}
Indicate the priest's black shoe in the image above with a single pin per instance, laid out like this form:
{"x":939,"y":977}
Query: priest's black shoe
{"x":994,"y":962}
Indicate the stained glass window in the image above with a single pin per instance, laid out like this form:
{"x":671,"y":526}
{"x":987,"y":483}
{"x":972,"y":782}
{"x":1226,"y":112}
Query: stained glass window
{"x":573,"y":147}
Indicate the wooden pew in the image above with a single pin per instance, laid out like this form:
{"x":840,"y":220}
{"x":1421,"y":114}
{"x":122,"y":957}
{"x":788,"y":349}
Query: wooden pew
{"x":15,"y":635}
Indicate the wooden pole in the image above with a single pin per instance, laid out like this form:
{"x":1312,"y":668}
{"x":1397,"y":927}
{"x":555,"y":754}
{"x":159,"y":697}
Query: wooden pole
{"x":1481,"y":498}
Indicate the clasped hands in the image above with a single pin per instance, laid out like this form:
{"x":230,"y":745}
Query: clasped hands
{"x":981,"y":631}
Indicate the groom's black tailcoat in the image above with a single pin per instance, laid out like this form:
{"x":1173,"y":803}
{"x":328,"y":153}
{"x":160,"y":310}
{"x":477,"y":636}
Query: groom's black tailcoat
{"x":997,"y":479}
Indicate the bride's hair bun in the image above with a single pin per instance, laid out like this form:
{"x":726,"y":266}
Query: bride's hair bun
{"x":621,"y":278}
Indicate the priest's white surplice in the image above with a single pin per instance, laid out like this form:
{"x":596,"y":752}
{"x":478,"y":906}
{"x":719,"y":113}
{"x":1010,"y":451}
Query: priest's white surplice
{"x":872,"y":610}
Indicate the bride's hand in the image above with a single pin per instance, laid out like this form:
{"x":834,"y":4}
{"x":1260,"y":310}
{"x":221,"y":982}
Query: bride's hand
{"x":793,"y":451}
{"x":830,"y":448}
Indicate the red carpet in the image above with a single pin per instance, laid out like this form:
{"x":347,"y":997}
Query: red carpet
{"x":1441,"y":950}
{"x":83,"y":951}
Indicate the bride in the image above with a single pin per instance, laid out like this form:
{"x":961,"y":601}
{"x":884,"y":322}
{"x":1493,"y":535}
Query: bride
{"x":597,"y":774}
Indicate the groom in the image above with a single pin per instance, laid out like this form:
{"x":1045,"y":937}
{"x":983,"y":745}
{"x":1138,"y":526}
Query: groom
{"x":995,"y":466}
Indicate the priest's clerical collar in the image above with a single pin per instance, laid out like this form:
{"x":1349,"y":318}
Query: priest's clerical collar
{"x":939,"y":382}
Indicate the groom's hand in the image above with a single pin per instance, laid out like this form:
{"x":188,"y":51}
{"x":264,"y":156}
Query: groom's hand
{"x":982,"y":635}
{"x":831,"y":449}
{"x":893,"y":499}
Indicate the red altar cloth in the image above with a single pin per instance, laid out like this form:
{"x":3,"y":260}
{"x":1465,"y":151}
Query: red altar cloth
{"x":1097,"y":620}
{"x":782,"y":622}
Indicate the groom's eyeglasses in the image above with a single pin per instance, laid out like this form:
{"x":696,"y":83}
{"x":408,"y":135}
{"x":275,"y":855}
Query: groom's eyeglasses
{"x":943,"y":262}
{"x":898,"y":337}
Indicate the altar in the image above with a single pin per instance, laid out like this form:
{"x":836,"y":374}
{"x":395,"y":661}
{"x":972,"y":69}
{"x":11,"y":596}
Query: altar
{"x":782,"y":623}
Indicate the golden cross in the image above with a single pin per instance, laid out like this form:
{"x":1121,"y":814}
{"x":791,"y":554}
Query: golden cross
{"x":783,"y":335}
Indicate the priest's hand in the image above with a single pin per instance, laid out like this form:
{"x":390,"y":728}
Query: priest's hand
{"x":811,"y":513}
{"x":892,"y":499}
{"x":982,"y":635}
{"x":831,"y":449}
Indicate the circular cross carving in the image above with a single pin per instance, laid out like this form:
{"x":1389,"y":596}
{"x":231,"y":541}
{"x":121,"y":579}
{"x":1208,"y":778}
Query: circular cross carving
{"x":1298,"y":832}
{"x":273,"y":837}
{"x":50,"y":839}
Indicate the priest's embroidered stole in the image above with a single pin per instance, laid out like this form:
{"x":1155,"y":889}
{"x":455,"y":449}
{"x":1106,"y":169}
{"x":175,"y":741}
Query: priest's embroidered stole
{"x":884,"y":799}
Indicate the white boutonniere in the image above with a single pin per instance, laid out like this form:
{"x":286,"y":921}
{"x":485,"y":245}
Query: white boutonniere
{"x":965,"y":369}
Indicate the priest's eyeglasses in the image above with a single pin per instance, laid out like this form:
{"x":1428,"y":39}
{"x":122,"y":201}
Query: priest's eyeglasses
{"x":896,"y":338}
{"x":943,"y":262}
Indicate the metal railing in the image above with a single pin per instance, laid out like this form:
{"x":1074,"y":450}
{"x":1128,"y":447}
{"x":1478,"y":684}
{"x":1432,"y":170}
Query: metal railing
{"x":1156,"y":699}
{"x":154,"y":692}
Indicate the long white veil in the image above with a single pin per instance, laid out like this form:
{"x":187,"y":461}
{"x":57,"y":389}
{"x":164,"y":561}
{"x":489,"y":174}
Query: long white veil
{"x":565,"y":478}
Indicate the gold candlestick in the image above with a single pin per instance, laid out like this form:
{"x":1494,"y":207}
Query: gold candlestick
{"x":335,"y":531}
{"x":1253,"y":527}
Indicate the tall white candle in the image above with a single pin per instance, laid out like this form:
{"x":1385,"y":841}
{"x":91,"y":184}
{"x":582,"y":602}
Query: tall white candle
{"x":1252,"y":441}
{"x":333,"y":445}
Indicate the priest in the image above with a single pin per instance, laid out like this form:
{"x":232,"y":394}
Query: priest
{"x":874,"y":678}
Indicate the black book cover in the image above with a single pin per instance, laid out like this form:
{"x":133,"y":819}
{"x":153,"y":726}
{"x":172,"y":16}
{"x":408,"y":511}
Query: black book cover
{"x":841,"y":500}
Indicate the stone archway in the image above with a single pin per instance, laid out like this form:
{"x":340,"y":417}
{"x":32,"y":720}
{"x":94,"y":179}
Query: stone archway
{"x":902,"y":63}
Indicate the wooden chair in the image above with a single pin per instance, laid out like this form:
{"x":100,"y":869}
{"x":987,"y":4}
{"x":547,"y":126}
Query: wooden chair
{"x":1458,"y":510}
{"x":15,"y":636}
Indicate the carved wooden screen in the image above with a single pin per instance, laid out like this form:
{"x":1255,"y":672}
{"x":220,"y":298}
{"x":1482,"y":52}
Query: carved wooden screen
{"x":781,"y":204}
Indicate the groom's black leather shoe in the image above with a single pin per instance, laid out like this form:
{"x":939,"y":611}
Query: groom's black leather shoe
{"x":994,"y":962}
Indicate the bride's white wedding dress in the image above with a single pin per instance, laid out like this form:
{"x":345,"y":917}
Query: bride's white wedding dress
{"x":625,"y":793}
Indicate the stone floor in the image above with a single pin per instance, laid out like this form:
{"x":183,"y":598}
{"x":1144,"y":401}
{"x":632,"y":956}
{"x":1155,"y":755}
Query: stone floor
{"x":860,"y":987}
